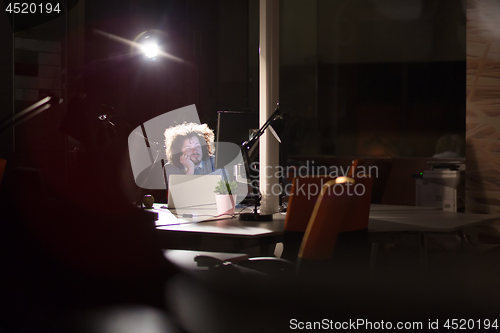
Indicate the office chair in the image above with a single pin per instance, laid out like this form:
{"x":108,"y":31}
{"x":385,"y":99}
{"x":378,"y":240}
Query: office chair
{"x":3,"y":164}
{"x":330,"y":216}
{"x":334,"y":213}
{"x":300,"y":207}
{"x":353,"y":251}
{"x":362,"y":213}
{"x":353,"y":167}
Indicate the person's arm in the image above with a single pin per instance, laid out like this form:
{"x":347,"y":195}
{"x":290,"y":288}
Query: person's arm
{"x":185,"y":160}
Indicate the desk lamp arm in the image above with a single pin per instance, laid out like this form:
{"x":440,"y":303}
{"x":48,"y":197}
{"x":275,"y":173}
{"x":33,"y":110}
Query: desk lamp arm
{"x":248,"y":147}
{"x":249,"y":144}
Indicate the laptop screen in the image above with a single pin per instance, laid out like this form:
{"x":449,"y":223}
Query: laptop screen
{"x":192,"y":191}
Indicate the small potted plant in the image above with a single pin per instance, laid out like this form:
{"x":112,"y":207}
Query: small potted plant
{"x":225,"y":196}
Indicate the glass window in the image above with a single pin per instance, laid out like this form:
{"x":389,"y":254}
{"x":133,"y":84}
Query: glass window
{"x":373,"y":78}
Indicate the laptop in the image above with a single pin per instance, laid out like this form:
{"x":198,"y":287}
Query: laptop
{"x":192,"y":191}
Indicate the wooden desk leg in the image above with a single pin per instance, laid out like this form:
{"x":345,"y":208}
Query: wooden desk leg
{"x":423,"y":251}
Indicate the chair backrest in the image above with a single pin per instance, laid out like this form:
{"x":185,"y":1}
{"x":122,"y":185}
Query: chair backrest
{"x":352,"y":169}
{"x":164,"y":177}
{"x":3,"y":164}
{"x":362,"y":189}
{"x":334,"y":209}
{"x":303,"y":196}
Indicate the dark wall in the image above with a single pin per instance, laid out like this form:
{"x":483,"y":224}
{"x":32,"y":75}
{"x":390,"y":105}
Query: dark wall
{"x":358,"y":73}
{"x":409,"y":104}
{"x":6,"y":87}
{"x":211,"y":36}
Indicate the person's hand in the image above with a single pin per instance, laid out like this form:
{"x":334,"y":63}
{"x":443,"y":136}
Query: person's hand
{"x":186,"y":161}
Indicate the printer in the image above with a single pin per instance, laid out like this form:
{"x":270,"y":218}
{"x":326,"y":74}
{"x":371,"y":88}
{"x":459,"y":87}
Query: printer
{"x":442,"y":186}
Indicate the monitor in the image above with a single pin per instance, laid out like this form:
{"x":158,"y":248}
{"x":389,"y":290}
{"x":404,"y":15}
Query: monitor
{"x":233,"y":127}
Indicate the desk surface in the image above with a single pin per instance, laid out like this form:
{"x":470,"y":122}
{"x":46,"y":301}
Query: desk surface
{"x":206,"y":221}
{"x":388,"y":218}
{"x":383,"y":218}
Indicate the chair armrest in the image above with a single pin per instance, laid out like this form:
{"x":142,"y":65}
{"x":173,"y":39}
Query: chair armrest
{"x":269,"y":265}
{"x":266,"y":265}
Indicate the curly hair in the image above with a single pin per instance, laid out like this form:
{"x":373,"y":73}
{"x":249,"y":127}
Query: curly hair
{"x":176,"y":135}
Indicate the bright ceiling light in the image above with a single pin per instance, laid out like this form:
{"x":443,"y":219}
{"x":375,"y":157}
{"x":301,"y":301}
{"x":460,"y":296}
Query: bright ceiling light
{"x":148,"y":43}
{"x":150,"y":49}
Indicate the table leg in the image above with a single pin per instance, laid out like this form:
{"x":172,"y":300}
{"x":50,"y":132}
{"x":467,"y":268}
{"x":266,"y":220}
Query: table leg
{"x":463,"y":237}
{"x":468,"y":235}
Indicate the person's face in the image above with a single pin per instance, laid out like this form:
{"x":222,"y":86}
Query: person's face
{"x":192,"y":148}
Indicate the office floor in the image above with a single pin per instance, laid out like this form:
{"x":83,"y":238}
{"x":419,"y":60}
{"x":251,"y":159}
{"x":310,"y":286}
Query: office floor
{"x":445,"y":254}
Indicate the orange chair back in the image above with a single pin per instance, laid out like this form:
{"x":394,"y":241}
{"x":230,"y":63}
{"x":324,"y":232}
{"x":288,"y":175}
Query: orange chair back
{"x":3,"y":164}
{"x":334,"y":209}
{"x":362,"y":189}
{"x":352,"y":169}
{"x":303,"y":196}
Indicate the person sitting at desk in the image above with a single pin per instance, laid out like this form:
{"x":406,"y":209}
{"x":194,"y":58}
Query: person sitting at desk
{"x":190,"y":150}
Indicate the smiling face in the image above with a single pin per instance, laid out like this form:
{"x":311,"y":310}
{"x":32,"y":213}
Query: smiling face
{"x":192,"y":148}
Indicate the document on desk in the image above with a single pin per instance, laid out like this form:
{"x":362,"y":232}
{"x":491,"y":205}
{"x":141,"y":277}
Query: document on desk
{"x":183,"y":216}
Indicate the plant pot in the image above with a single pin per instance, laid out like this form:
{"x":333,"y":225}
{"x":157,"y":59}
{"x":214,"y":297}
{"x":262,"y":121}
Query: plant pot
{"x":225,"y":203}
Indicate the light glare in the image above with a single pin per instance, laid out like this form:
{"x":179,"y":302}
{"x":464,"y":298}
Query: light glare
{"x":150,"y":50}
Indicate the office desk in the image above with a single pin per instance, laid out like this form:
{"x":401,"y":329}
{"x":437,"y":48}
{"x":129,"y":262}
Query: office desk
{"x":203,"y":231}
{"x":389,"y":218}
{"x":388,"y":222}
{"x":234,"y":235}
